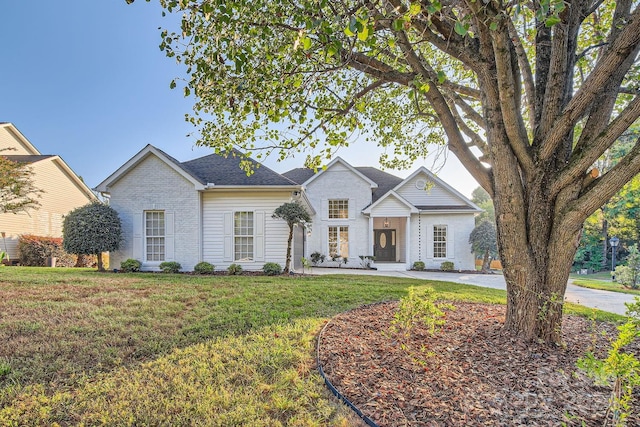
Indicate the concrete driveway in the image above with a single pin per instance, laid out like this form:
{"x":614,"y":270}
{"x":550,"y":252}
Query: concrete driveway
{"x":603,"y":300}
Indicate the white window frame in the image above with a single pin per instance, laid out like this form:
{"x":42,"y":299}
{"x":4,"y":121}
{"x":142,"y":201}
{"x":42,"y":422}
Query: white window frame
{"x":244,"y":238}
{"x":338,"y":208}
{"x":341,"y":241}
{"x":155,"y":233}
{"x":440,"y":236}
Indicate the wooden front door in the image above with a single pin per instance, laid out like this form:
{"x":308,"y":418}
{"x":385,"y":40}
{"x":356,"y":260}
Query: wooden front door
{"x":384,"y":248}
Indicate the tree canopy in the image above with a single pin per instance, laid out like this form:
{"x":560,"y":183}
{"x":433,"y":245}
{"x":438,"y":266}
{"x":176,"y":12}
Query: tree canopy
{"x":484,"y":242}
{"x":527,"y":95}
{"x":92,"y":229}
{"x":17,"y":191}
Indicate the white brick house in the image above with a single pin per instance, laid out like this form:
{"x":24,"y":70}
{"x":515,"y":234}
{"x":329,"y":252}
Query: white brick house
{"x":208,"y":209}
{"x":363,"y":211}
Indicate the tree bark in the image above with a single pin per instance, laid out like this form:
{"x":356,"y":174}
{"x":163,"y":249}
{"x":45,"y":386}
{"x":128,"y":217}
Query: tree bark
{"x":100,"y":265}
{"x":486,"y":262}
{"x":287,"y":266}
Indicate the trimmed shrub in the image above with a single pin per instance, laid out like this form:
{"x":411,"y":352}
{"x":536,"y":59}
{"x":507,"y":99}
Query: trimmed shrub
{"x":317,"y":258}
{"x":446,"y":266}
{"x":130,"y":266}
{"x":234,"y":269}
{"x":418,"y":265}
{"x":170,"y":267}
{"x":37,"y":251}
{"x":204,"y":268}
{"x":272,"y":269}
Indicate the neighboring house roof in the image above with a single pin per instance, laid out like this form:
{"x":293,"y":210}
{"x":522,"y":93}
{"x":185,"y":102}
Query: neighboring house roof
{"x":299,"y":175}
{"x":210,"y":171}
{"x":28,"y":159}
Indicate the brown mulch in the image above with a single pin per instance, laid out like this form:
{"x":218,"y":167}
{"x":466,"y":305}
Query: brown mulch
{"x":476,"y":375}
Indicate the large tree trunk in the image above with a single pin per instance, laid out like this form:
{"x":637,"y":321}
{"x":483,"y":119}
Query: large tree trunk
{"x":100,"y":265}
{"x":486,"y":262}
{"x":536,"y":251}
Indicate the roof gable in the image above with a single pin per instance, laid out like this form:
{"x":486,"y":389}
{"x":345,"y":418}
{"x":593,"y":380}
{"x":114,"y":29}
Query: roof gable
{"x":428,"y":192}
{"x":337,"y":162}
{"x":14,"y":142}
{"x":213,"y":170}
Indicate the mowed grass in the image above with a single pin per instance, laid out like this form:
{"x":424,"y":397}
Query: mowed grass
{"x":601,"y":281}
{"x":85,"y":348}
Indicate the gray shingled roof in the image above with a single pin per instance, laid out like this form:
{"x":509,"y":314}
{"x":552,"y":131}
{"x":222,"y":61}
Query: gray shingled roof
{"x":386,"y":182}
{"x":225,"y":170}
{"x":299,"y":175}
{"x":28,"y":158}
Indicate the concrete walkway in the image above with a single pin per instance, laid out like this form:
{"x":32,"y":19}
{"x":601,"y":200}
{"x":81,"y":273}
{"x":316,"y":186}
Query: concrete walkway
{"x":603,"y":300}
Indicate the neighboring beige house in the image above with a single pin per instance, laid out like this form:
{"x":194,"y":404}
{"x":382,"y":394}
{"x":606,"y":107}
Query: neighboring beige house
{"x":62,"y":189}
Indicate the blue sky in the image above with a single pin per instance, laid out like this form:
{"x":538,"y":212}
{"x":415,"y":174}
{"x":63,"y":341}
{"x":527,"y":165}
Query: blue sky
{"x":85,"y":79}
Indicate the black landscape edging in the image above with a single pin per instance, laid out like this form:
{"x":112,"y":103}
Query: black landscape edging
{"x":334,"y":390}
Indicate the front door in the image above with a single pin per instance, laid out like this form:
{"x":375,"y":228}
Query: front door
{"x":384,"y":248}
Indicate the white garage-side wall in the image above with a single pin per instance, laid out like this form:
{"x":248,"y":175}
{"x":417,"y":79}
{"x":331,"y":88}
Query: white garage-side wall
{"x":270,"y":235}
{"x":154,"y":186}
{"x":459,"y":227}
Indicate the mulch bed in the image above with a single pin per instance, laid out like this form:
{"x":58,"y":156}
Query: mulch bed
{"x":476,"y":375}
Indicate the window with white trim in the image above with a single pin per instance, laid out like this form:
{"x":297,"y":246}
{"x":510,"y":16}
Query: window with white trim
{"x":339,"y":209}
{"x":243,"y":236}
{"x":439,"y":241}
{"x":339,"y":241}
{"x":154,"y":232}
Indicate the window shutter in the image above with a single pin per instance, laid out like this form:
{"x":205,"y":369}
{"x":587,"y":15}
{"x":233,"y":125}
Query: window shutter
{"x":169,"y":236}
{"x":137,"y":237}
{"x":352,"y":208}
{"x":450,"y":240}
{"x":258,"y":240}
{"x":325,"y":208}
{"x":430,"y":241}
{"x":228,"y":236}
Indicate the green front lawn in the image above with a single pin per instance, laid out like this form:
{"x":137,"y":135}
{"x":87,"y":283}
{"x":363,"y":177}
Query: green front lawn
{"x":602,"y":281}
{"x":153,"y":349}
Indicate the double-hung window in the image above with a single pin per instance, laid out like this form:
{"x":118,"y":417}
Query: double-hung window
{"x":243,"y":227}
{"x":439,"y":241}
{"x":339,"y":209}
{"x":154,"y":235}
{"x":339,"y":241}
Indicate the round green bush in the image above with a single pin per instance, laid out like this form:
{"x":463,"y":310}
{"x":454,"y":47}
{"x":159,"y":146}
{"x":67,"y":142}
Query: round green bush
{"x":418,"y":265}
{"x":130,"y":266}
{"x":272,"y":269}
{"x":446,"y":266}
{"x":234,"y":269}
{"x":204,"y":267}
{"x":170,"y":267}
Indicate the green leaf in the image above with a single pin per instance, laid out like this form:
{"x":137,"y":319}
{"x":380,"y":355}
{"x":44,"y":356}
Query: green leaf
{"x":414,"y":9}
{"x":493,"y":26}
{"x":460,"y":29}
{"x":173,"y":84}
{"x":551,"y":21}
{"x":187,"y":91}
{"x":397,"y":25}
{"x":306,"y":43}
{"x":441,"y":77}
{"x":364,"y":33}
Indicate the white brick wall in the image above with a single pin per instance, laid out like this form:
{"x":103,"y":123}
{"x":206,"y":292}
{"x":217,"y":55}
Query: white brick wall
{"x":153,"y":185}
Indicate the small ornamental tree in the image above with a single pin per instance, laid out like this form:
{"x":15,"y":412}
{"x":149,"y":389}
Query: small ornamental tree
{"x":484,"y":242}
{"x":17,"y":192}
{"x":92,"y":229}
{"x":293,"y":213}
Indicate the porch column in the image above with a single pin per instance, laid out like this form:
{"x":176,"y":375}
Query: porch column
{"x":370,"y":251}
{"x":407,"y":243}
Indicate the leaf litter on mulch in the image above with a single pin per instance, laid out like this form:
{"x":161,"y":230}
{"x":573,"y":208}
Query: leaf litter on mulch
{"x":470,"y":373}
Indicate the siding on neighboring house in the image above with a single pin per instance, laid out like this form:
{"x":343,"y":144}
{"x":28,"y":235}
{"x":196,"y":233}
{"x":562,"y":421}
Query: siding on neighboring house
{"x":62,"y":192}
{"x":270,"y":235}
{"x":338,"y":182}
{"x":153,"y":186}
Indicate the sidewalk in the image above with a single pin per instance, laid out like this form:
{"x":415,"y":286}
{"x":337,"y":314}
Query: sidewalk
{"x":603,"y":300}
